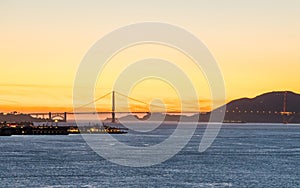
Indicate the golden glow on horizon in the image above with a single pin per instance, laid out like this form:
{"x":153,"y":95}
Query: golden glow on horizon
{"x":43,"y":44}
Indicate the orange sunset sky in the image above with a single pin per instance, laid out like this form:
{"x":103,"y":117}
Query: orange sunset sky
{"x":256,"y":44}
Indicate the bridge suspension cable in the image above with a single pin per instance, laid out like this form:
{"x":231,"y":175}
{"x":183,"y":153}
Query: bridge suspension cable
{"x":99,"y":98}
{"x":64,"y":115}
{"x":140,"y":101}
{"x":125,"y":96}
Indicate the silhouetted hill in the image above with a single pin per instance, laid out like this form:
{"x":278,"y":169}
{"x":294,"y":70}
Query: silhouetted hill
{"x":152,"y":117}
{"x":267,"y":102}
{"x":265,"y":108}
{"x":18,"y":118}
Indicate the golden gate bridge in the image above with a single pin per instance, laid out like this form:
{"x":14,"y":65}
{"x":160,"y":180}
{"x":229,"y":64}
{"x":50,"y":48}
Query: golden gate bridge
{"x":62,"y":116}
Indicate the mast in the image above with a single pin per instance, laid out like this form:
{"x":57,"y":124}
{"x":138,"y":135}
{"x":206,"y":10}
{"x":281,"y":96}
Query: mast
{"x":113,"y":115}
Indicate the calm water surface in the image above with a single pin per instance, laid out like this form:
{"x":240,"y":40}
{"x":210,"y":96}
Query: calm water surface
{"x":246,"y":155}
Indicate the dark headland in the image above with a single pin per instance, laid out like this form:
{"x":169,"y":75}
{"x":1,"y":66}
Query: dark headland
{"x":273,"y":107}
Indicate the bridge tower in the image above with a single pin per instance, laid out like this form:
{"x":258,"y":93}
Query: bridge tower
{"x":113,"y":115}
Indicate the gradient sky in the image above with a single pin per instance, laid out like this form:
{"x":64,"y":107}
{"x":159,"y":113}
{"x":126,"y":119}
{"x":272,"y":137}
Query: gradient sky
{"x":256,"y":44}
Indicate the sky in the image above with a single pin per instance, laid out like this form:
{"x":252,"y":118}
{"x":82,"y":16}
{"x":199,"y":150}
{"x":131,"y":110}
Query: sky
{"x":42,"y":43}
